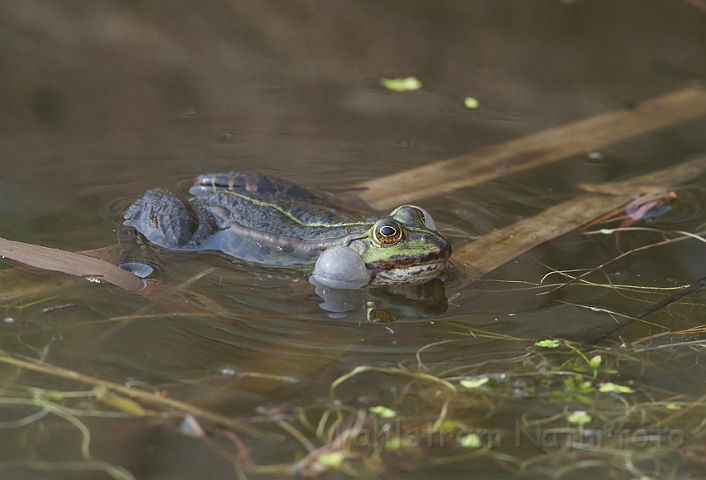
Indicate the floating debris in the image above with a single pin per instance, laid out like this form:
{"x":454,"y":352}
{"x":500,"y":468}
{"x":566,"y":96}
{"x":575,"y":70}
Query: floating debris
{"x":548,"y":343}
{"x":471,"y":103}
{"x":579,"y":417}
{"x":408,"y":84}
{"x":383,"y":412}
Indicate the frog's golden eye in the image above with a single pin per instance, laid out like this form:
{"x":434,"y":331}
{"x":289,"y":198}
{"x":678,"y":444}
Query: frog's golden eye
{"x":387,"y":232}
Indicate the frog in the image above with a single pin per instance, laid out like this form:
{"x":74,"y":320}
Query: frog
{"x":268,"y":221}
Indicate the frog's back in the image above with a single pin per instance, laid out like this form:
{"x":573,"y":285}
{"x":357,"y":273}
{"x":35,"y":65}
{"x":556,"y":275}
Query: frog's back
{"x":248,"y":216}
{"x":271,"y":205}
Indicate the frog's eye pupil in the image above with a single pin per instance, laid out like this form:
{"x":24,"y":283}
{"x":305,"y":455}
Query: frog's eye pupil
{"x":388,"y":231}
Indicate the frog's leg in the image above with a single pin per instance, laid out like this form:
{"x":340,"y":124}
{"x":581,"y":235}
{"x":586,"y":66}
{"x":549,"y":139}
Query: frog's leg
{"x":136,"y":256}
{"x":163,"y":218}
{"x":341,"y":268}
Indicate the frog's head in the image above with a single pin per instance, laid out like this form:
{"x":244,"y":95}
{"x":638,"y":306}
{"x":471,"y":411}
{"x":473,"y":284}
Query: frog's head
{"x":404,"y":248}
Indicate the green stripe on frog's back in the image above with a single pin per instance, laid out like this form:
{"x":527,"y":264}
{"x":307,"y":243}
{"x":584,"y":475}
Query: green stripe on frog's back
{"x":292,"y":232}
{"x":288,"y":213}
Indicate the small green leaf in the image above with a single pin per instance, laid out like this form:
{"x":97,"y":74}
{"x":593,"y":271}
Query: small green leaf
{"x":470,"y":440}
{"x":124,"y":404}
{"x":408,"y":84}
{"x":478,"y":382}
{"x":673,"y":406}
{"x":332,"y":459}
{"x":595,"y":362}
{"x":471,"y":102}
{"x":579,"y":417}
{"x":447,"y":425}
{"x":548,"y":343}
{"x":614,"y":388}
{"x":398,"y":443}
{"x":383,"y":412}
{"x":393,"y":444}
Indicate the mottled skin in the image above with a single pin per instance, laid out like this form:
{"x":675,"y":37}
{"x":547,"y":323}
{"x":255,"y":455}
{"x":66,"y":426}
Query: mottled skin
{"x":266,"y":220}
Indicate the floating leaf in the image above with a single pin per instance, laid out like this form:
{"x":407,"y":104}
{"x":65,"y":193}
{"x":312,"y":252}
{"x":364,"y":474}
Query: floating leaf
{"x":398,"y":443}
{"x":478,"y":382}
{"x":383,"y":412}
{"x":612,"y":387}
{"x":393,"y":444}
{"x":470,"y":440}
{"x":595,"y":362}
{"x":548,"y":343}
{"x":408,"y":84}
{"x":447,"y":425}
{"x":471,"y":102}
{"x":332,"y":459}
{"x":579,"y":417}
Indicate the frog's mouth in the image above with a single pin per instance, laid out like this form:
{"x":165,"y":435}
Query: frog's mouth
{"x":409,"y":274}
{"x":404,"y":269}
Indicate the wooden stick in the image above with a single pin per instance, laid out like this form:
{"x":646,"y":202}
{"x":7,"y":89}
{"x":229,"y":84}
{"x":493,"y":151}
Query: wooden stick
{"x":531,"y":151}
{"x":500,"y":246}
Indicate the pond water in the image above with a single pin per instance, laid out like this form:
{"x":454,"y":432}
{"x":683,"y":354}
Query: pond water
{"x":224,"y":371}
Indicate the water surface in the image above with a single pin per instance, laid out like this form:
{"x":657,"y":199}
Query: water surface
{"x":99,"y":103}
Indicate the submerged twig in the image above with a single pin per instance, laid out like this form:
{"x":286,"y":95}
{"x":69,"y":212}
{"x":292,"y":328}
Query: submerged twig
{"x":498,"y":247}
{"x":700,"y":283}
{"x":613,"y":260}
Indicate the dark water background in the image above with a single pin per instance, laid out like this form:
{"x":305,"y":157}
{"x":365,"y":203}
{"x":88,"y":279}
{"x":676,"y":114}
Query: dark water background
{"x":100,"y":101}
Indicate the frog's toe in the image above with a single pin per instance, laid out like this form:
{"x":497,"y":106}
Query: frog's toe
{"x":341,"y":268}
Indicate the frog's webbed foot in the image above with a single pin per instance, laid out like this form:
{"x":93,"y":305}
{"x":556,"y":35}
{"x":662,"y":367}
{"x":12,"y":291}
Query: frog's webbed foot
{"x":163,"y":218}
{"x":136,"y":256}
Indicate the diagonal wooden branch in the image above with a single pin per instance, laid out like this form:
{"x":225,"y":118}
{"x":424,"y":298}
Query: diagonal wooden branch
{"x":531,"y":151}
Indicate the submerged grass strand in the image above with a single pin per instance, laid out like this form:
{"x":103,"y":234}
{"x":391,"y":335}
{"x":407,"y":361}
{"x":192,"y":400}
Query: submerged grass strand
{"x":26,"y":420}
{"x":697,"y":285}
{"x":117,"y":473}
{"x":685,"y":236}
{"x":37,"y":366}
{"x":391,"y":371}
{"x":396,"y":371}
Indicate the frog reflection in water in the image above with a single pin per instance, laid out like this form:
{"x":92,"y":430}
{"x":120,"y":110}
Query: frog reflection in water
{"x":268,"y":221}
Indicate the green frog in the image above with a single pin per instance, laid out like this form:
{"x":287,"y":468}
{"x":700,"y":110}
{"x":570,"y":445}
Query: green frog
{"x":265,"y":220}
